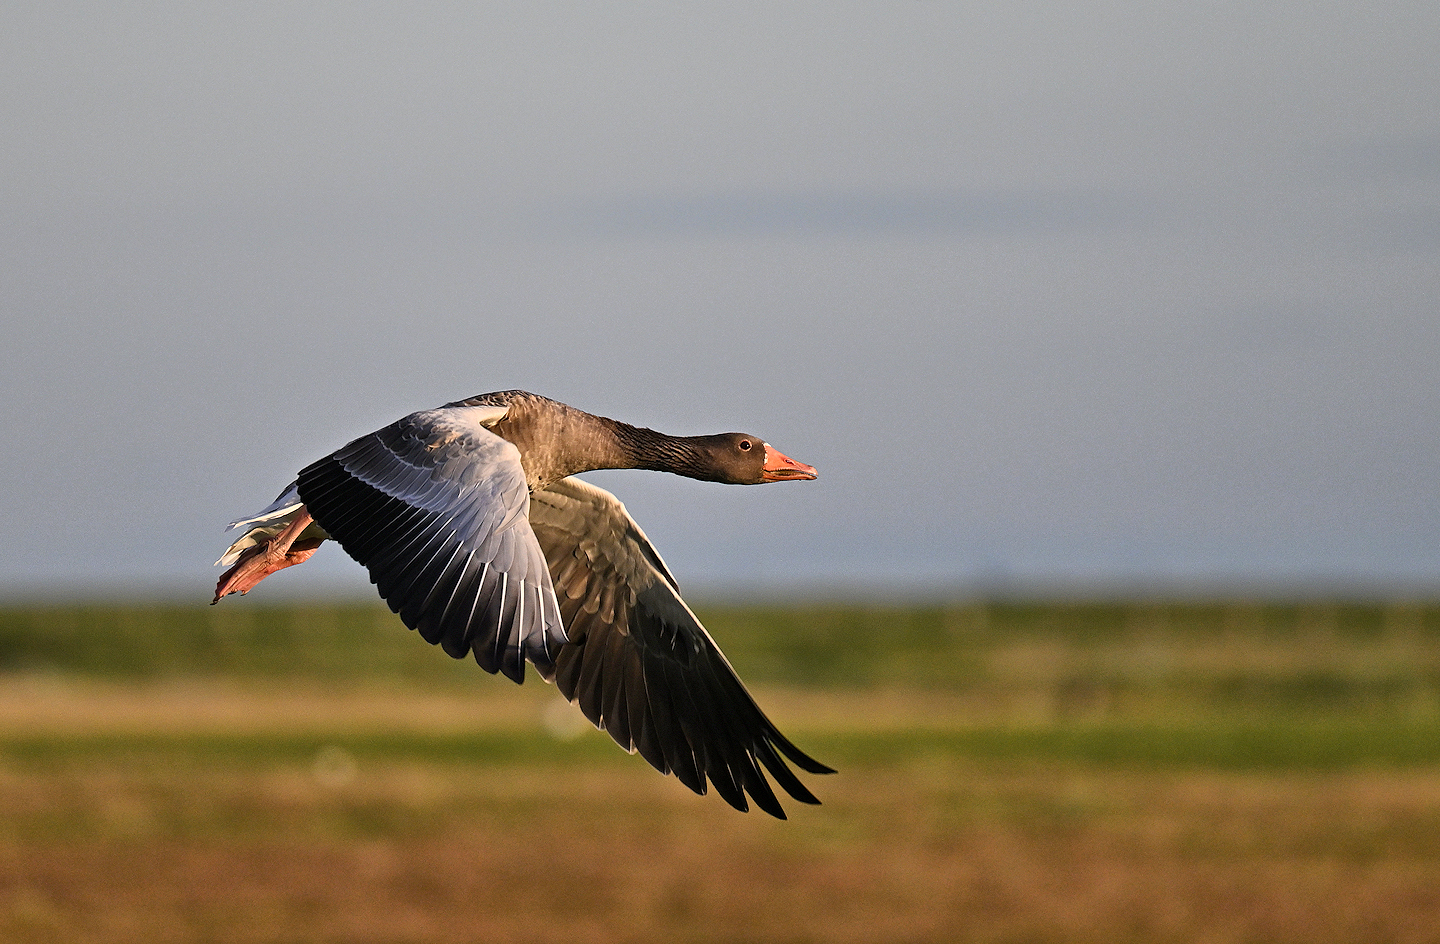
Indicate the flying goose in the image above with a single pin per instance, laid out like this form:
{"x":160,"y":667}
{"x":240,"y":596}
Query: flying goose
{"x":475,"y":532}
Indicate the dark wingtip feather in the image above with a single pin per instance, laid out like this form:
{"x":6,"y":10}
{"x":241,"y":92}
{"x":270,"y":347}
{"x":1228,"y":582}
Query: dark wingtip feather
{"x":798,"y":757}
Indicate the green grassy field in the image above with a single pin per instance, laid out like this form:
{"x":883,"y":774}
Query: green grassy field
{"x":1008,"y":772}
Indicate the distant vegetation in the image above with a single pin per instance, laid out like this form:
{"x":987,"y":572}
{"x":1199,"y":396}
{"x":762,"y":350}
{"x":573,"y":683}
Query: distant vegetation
{"x":1063,"y":660}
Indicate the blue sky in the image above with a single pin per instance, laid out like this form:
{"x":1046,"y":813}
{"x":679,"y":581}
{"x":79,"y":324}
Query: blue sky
{"x":1076,"y":296}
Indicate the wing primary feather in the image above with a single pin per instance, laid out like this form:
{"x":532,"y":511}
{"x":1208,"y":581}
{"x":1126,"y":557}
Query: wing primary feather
{"x":496,"y":643}
{"x":430,"y":613}
{"x":679,"y":755}
{"x":730,"y":701}
{"x":425,"y":579}
{"x":702,"y":739}
{"x":393,"y":558}
{"x":616,"y":714}
{"x":637,"y":710}
{"x":783,"y":775}
{"x":540,"y":646}
{"x":475,"y":622}
{"x":685,"y":753}
{"x":462,"y":587}
{"x":728,"y":756}
{"x":513,"y":662}
{"x":590,"y":694}
{"x":397,"y":584}
{"x":798,"y":757}
{"x":486,"y":623}
{"x":455,"y":621}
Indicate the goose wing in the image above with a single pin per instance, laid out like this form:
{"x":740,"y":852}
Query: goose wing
{"x":434,"y":505}
{"x":640,"y":665}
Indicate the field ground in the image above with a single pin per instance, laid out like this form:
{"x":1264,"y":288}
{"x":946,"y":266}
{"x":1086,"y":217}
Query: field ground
{"x":1049,"y":773}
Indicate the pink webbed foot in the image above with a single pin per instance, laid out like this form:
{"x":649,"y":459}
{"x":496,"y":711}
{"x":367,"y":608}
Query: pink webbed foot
{"x":262,"y":560}
{"x":255,"y":565}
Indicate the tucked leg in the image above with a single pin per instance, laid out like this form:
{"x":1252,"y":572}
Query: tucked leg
{"x":283,"y":550}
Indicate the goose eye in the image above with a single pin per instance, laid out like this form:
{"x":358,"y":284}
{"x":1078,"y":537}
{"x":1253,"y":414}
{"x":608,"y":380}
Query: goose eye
{"x":744,"y":445}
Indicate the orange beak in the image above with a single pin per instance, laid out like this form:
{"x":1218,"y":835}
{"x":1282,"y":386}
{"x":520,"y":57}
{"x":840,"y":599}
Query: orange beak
{"x":781,"y":468}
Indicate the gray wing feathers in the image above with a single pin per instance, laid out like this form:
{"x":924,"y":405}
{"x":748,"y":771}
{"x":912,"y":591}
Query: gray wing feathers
{"x":435,"y":506}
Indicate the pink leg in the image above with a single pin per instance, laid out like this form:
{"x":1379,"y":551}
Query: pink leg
{"x":262,"y":560}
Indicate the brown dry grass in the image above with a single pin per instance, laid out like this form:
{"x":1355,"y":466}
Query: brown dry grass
{"x":181,"y":846}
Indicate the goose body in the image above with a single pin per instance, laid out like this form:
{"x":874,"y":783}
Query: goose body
{"x":474,"y":531}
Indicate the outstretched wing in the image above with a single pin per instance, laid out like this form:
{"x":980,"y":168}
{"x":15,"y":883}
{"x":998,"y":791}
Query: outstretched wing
{"x":435,"y":506}
{"x":640,"y":665}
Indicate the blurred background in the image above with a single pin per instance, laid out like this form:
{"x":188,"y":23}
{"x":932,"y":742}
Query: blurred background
{"x":1088,"y":295}
{"x":1110,"y":326}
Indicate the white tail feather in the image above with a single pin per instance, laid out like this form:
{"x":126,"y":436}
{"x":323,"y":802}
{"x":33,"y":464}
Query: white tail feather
{"x":266,"y":524}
